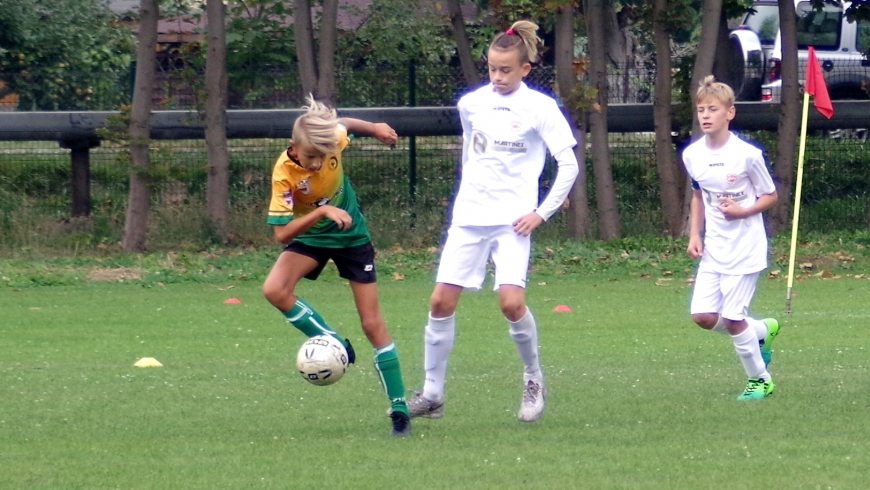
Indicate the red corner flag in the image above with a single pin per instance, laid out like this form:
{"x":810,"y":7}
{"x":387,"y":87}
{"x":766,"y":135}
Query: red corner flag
{"x":815,"y":85}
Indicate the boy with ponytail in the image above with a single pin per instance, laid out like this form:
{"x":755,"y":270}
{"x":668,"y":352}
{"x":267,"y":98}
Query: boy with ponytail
{"x":507,"y":129}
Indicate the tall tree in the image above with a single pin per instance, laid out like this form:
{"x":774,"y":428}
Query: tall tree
{"x":316,"y":74}
{"x":669,"y":188}
{"x":566,"y":79}
{"x":326,"y":52}
{"x":789,"y":119}
{"x":711,"y":15}
{"x":304,"y":33}
{"x":713,"y":54}
{"x":217,"y":193}
{"x":139,"y":200}
{"x":605,"y":192}
{"x":463,"y":45}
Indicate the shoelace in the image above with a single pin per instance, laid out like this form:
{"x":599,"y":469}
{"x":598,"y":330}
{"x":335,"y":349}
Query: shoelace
{"x":754,"y":385}
{"x":530,"y":394}
{"x":418,"y":401}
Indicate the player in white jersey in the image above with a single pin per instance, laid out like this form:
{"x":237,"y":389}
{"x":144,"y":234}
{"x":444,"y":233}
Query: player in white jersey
{"x":507,"y":129}
{"x":731,"y":188}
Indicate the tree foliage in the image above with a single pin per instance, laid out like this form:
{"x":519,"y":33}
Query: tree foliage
{"x":394,"y":35}
{"x":64,"y":54}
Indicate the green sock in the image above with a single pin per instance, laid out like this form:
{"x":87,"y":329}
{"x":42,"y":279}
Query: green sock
{"x":308,"y":321}
{"x":387,"y":365}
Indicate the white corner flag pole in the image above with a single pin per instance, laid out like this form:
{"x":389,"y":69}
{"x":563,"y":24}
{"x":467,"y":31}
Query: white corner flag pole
{"x":797,"y":200}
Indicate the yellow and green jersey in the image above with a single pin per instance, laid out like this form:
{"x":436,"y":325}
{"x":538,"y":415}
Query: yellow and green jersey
{"x":297,"y":192}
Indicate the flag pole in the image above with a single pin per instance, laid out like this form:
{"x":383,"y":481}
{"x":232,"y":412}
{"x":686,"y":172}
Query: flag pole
{"x":797,"y":200}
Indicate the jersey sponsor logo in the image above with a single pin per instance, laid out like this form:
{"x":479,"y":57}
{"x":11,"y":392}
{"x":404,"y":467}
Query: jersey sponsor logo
{"x":713,"y":198}
{"x":303,"y":186}
{"x":717,"y":165}
{"x":501,"y":108}
{"x":516,"y":126}
{"x":734,"y":196}
{"x":478,"y":142}
{"x":288,"y":198}
{"x":510,"y":146}
{"x":731,"y":179}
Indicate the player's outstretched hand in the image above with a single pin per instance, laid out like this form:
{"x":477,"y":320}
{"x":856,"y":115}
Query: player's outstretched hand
{"x":527,"y":224}
{"x":339,"y":216}
{"x":730,"y":209}
{"x":384,"y":133}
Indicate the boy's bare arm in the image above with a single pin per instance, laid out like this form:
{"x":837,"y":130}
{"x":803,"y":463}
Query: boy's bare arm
{"x":380,"y":131}
{"x":696,"y":224}
{"x":297,"y":226}
{"x":732,"y":211}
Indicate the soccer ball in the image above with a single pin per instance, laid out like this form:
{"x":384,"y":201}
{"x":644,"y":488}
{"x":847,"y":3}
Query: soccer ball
{"x":322,"y":360}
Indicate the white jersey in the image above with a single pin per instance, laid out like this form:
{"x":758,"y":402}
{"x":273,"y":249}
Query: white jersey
{"x":505,"y":139}
{"x":736,"y":170}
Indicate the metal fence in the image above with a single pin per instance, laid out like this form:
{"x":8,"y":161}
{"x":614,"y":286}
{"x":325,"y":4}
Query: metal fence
{"x":411,"y":85}
{"x":405,"y":199}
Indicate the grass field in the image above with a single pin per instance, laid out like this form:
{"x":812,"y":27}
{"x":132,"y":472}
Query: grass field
{"x":639,"y":397}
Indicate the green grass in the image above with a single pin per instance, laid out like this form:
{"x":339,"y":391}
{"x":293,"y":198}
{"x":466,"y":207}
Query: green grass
{"x":639,"y":397}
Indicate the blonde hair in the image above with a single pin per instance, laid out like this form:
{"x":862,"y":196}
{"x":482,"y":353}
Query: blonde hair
{"x":522,"y":37}
{"x":709,"y":88}
{"x":316,"y":127}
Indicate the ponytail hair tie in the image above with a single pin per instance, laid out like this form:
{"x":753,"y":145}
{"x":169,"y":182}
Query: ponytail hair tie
{"x":510,"y":31}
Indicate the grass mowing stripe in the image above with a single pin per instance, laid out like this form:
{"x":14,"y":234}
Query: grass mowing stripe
{"x":639,"y":396}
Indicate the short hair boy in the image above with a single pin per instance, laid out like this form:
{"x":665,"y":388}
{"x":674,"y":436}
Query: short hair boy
{"x":731,"y":188}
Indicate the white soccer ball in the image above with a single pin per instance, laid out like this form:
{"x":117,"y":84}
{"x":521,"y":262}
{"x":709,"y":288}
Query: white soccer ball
{"x":322,"y":360}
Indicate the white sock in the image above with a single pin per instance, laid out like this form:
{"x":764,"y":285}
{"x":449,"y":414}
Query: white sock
{"x":524,"y":332}
{"x":720,"y":326}
{"x":758,"y":326}
{"x":440,"y":333}
{"x":746,"y":345}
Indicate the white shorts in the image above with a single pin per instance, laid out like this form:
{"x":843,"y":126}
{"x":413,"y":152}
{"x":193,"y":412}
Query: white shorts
{"x":464,"y":258}
{"x":724,"y":294}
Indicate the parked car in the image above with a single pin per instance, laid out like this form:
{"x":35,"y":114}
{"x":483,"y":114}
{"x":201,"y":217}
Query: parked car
{"x":840,"y":47}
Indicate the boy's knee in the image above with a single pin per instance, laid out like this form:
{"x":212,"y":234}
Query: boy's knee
{"x":440,"y":306}
{"x":513,"y":310}
{"x":275,"y":294}
{"x":705,"y":320}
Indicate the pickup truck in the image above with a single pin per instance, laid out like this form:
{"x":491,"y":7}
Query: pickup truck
{"x":840,"y":46}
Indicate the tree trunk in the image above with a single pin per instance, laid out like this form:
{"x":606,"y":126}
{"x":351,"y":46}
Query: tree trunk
{"x":326,"y":53}
{"x":724,"y":58}
{"x":566,"y":79}
{"x":789,"y":120}
{"x":619,"y":46}
{"x":668,"y":186}
{"x":304,"y":35}
{"x":217,"y":197}
{"x":711,"y":13}
{"x":463,"y":46}
{"x":605,"y":192}
{"x":139,"y":199}
{"x":713,"y":56}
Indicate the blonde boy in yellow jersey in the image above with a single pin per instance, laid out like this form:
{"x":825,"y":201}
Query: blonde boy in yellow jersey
{"x":314,"y":212}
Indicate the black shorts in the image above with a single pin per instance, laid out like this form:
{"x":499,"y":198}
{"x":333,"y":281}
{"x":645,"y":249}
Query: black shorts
{"x":355,"y":264}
